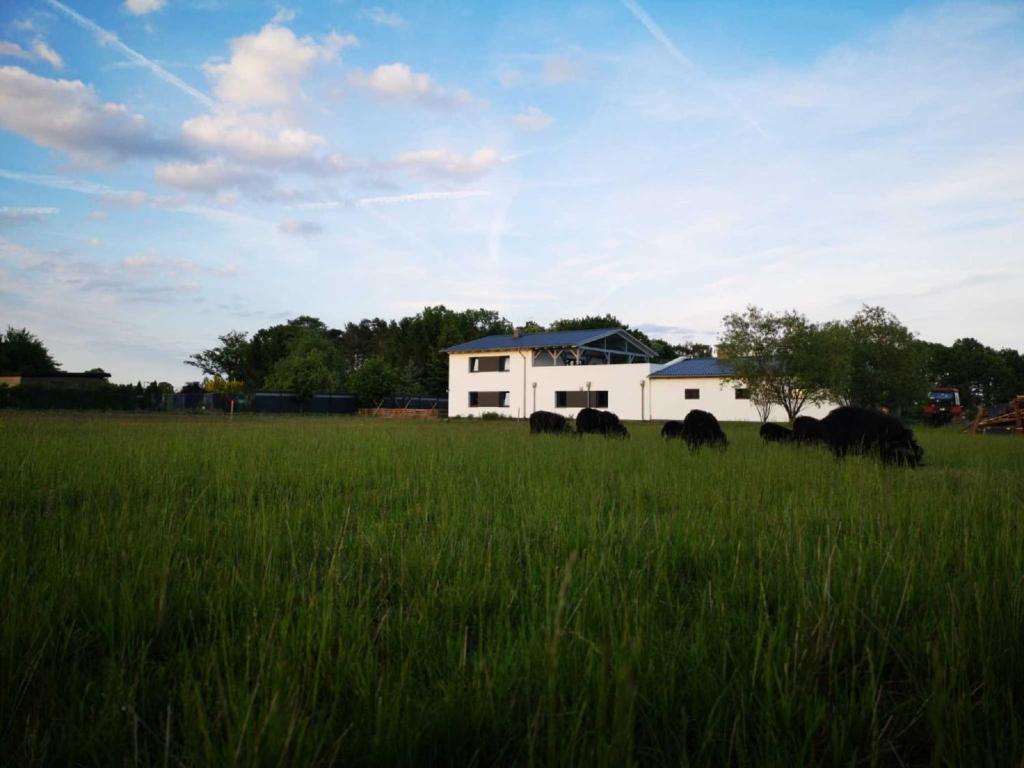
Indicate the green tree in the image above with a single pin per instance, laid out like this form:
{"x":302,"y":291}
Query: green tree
{"x":776,"y":357}
{"x":230,"y":360}
{"x":313,"y":365}
{"x":887,"y":364}
{"x":21,"y":351}
{"x":373,"y":381}
{"x":983,"y":375}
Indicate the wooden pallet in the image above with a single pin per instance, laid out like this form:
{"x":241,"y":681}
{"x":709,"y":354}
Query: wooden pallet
{"x":1012,"y":420}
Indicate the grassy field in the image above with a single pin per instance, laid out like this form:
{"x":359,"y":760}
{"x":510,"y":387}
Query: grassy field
{"x":288,"y":591}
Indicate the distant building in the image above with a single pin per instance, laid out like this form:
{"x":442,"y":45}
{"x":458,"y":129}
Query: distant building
{"x":564,"y":371}
{"x":58,"y":380}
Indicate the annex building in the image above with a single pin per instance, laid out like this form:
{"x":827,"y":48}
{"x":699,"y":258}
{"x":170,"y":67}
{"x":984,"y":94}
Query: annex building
{"x":564,"y":371}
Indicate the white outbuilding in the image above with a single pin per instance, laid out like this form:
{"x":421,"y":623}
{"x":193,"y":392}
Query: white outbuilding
{"x":607,"y":368}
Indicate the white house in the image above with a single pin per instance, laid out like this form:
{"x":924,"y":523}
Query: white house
{"x":564,"y":371}
{"x":678,"y":387}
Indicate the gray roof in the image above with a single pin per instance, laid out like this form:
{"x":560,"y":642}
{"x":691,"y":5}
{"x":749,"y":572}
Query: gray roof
{"x":698,"y":367}
{"x":547,"y":339}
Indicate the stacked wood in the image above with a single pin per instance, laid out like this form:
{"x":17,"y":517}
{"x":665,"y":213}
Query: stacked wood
{"x":1009,"y":420}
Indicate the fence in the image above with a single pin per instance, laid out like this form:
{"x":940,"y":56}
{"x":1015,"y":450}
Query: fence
{"x":286,"y":402}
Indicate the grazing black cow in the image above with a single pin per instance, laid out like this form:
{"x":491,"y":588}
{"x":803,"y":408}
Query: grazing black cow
{"x":807,"y":429}
{"x":672,"y":430}
{"x":593,"y":421}
{"x":699,"y":428}
{"x":545,"y":422}
{"x":776,"y":433}
{"x":859,"y":430}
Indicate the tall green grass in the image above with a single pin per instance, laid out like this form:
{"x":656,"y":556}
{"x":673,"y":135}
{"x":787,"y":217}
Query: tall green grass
{"x":284,"y":591}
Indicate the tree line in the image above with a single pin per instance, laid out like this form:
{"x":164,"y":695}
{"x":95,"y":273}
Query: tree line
{"x":375,"y":358}
{"x":871,"y":360}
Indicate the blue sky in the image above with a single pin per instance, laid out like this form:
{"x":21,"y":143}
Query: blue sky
{"x":174,"y":169}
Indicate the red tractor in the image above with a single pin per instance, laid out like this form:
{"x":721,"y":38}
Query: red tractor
{"x":943,"y":406}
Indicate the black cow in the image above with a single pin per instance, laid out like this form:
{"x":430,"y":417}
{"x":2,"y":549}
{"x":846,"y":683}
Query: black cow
{"x":776,"y":433}
{"x":699,"y":428}
{"x":859,"y":430}
{"x":807,"y":429}
{"x":672,"y":430}
{"x":593,"y":421}
{"x":545,"y":422}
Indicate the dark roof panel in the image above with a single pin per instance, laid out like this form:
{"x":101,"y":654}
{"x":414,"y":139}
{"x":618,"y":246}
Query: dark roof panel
{"x":538,"y":340}
{"x":698,"y":367}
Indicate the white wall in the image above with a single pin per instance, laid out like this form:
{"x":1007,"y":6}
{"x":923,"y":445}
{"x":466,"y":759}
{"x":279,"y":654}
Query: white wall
{"x":663,"y":399}
{"x":717,"y":397}
{"x":622,"y":382}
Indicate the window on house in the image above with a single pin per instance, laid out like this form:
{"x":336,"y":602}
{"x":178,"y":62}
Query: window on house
{"x":577,"y":398}
{"x":742,"y":393}
{"x":488,"y":364}
{"x":692,"y":394}
{"x":488,"y":400}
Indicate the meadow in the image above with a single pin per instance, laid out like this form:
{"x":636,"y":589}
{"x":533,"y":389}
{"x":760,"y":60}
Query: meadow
{"x":189,"y":590}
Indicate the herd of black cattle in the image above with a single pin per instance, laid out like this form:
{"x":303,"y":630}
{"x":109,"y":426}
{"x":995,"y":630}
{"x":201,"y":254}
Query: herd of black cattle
{"x":845,"y":430}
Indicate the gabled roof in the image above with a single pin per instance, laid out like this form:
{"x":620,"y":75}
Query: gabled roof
{"x":696,"y":368}
{"x":545,"y":340}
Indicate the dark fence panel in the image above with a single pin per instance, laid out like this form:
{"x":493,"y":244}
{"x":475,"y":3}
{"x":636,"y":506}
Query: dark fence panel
{"x":285,"y":402}
{"x":107,"y":398}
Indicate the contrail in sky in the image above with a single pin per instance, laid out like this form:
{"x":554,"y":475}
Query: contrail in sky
{"x":417,"y":197}
{"x":106,"y":37}
{"x":62,"y":182}
{"x":673,"y":50}
{"x":135,"y":196}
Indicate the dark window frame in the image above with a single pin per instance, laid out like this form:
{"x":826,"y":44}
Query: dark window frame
{"x":691,"y":393}
{"x":577,"y":398}
{"x":504,"y":363}
{"x":742,"y":393}
{"x":503,"y":398}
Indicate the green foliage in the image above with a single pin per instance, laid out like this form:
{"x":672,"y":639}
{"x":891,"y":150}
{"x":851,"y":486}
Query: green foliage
{"x":783,"y":359}
{"x":886,"y":362}
{"x":312,"y":365}
{"x":230,"y":360}
{"x":220,"y":386}
{"x":182,"y":591}
{"x":21,"y":351}
{"x":983,"y":375}
{"x":373,"y":381}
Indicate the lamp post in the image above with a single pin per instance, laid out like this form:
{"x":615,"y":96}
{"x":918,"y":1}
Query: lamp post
{"x":588,"y":394}
{"x":642,"y":383}
{"x":534,"y":396}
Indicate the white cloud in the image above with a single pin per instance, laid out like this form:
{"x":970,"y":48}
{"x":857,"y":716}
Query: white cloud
{"x":444,"y":162}
{"x":209,"y":176}
{"x":40,"y":51}
{"x":47,"y":54}
{"x":398,"y":82}
{"x":249,"y":137}
{"x":533,"y":119}
{"x":283,"y":16}
{"x":382,"y":17}
{"x":68,"y":115}
{"x":142,"y":7}
{"x":16,"y":214}
{"x":267,"y":68}
{"x":300,"y":228}
{"x":558,"y":70}
{"x":510,"y":77}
